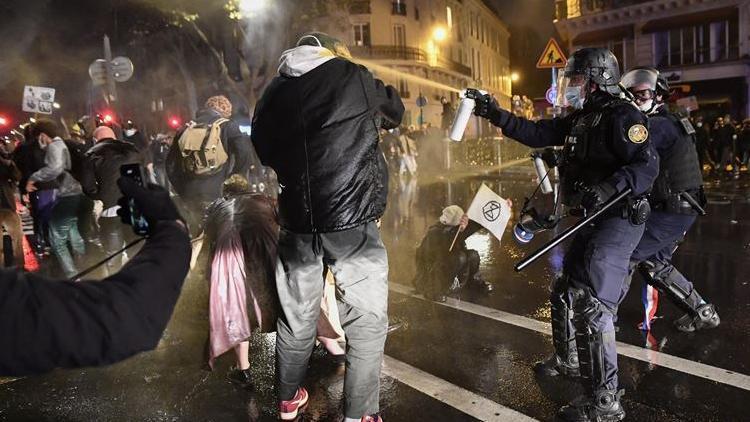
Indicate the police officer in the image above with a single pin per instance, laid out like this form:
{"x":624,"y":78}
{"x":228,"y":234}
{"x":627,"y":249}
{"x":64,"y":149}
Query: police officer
{"x":606,"y":151}
{"x":676,"y":199}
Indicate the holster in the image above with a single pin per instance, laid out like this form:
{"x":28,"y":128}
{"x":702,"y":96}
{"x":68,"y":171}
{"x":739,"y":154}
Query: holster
{"x":637,"y":210}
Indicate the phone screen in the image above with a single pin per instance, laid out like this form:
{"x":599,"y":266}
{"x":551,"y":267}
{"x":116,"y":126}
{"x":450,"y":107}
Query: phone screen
{"x":136,"y":173}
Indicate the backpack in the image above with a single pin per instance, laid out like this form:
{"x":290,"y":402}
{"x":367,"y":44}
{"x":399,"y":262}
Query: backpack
{"x":201,"y":150}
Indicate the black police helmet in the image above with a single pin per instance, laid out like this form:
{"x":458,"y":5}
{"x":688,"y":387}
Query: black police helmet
{"x":599,"y":65}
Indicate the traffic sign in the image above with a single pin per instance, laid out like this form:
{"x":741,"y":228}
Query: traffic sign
{"x":38,"y":99}
{"x":551,"y":95}
{"x":122,"y":68}
{"x":552,"y":56}
{"x":98,"y":72}
{"x":421,"y":101}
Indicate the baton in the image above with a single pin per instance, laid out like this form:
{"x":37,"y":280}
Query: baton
{"x":693,"y":203}
{"x":571,"y":231}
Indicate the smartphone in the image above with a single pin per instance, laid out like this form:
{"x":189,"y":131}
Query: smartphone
{"x":137,"y":173}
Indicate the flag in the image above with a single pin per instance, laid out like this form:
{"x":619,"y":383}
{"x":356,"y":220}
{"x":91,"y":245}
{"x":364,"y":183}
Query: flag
{"x":490,"y":210}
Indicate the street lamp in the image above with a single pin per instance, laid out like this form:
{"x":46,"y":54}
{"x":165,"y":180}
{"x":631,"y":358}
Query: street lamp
{"x":514,"y":77}
{"x":439,"y":34}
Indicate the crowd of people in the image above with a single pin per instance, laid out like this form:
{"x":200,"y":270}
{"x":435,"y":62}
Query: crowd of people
{"x":284,"y":218}
{"x":724,"y":144}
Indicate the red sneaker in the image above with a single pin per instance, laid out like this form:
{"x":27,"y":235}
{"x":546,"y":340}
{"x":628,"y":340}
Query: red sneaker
{"x":288,"y":409}
{"x":372,"y":418}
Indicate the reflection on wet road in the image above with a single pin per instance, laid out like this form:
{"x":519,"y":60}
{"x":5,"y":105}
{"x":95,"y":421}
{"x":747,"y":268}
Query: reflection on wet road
{"x":484,"y":362}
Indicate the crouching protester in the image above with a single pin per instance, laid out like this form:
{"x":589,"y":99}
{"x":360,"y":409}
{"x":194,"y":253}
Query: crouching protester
{"x":445,"y":265}
{"x":317,"y":126}
{"x":49,"y":324}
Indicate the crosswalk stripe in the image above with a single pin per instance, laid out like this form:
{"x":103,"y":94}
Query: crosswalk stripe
{"x":459,"y":398}
{"x":712,"y":373}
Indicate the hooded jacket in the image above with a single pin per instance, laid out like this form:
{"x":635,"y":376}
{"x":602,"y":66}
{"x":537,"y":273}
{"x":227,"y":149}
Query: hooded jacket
{"x":317,"y":126}
{"x":102,"y":169}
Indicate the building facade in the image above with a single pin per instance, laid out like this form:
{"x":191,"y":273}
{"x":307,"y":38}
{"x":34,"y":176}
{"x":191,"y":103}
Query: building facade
{"x":426,"y":47}
{"x":702,"y":45}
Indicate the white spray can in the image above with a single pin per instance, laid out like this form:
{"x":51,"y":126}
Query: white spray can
{"x":465,"y":110}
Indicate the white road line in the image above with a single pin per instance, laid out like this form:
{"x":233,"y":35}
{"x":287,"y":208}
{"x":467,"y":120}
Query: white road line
{"x":712,"y":373}
{"x":464,"y":400}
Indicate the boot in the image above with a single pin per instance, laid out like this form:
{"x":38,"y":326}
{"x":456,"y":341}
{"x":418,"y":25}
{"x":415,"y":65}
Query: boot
{"x":706,"y":317}
{"x":604,"y":406}
{"x":565,"y":359}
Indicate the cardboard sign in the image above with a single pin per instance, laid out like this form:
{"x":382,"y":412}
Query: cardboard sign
{"x":38,"y":99}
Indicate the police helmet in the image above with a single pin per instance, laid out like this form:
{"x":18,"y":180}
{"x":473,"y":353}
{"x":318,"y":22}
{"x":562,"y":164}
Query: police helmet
{"x":598,"y":65}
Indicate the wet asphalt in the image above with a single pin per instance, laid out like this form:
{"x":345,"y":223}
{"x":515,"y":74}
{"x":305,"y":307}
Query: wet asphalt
{"x":488,"y":358}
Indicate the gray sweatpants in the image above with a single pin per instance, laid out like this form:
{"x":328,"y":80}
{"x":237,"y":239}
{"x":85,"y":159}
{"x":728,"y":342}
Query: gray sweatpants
{"x":359,"y":263}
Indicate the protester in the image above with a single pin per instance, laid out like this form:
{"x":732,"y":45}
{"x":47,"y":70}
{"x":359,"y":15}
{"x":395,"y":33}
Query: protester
{"x":447,"y":115}
{"x":743,"y":143}
{"x":63,"y":223}
{"x":703,"y":143}
{"x":324,"y":147}
{"x":242,"y":234}
{"x":79,"y":143}
{"x":29,"y":157}
{"x":409,"y":153}
{"x":445,"y":265}
{"x":131,"y":133}
{"x":197,"y":165}
{"x":9,"y":219}
{"x":55,"y":323}
{"x":724,"y":137}
{"x":159,"y":151}
{"x":99,"y":182}
{"x":390,"y":145}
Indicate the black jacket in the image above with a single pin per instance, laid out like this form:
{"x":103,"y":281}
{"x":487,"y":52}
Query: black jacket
{"x":319,"y":132}
{"x":101,"y":169}
{"x":45,"y":324}
{"x":208,"y":188}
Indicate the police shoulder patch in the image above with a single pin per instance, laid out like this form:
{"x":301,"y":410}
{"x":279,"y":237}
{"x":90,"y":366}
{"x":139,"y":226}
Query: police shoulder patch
{"x":637,"y":134}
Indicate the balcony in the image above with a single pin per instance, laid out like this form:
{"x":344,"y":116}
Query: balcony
{"x":399,"y":8}
{"x":360,"y":8}
{"x":565,"y":9}
{"x":389,"y":52}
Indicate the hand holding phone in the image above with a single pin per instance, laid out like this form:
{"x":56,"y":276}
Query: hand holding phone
{"x":137,"y":220}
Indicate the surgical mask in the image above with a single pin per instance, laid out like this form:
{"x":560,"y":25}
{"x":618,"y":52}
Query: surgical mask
{"x":129,"y":132}
{"x":699,"y":124}
{"x":646,"y":106}
{"x":42,"y":144}
{"x":574,"y":96}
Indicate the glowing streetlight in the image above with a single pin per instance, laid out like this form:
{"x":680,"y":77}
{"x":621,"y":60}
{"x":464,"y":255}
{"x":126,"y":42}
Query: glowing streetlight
{"x":439,"y":34}
{"x":514,"y":77}
{"x":252,"y":7}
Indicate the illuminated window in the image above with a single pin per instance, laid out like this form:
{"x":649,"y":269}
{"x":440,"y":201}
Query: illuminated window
{"x":362,"y":35}
{"x":449,"y":17}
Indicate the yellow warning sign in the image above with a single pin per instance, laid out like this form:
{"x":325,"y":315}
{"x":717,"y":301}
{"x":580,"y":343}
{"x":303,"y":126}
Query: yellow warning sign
{"x":552,"y":56}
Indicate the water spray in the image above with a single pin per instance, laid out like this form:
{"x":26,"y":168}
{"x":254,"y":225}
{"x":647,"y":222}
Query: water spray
{"x":405,"y":76}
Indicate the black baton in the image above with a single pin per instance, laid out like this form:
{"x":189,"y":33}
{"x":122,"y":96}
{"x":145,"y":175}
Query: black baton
{"x":571,"y":231}
{"x":693,"y":203}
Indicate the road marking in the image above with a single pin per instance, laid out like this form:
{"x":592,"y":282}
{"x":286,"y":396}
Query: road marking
{"x":711,"y":373}
{"x":464,"y":400}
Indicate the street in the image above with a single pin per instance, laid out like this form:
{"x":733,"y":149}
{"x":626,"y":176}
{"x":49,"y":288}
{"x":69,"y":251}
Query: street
{"x":469,"y":358}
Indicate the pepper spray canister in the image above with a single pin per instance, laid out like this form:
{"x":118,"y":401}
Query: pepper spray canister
{"x":463,"y":115}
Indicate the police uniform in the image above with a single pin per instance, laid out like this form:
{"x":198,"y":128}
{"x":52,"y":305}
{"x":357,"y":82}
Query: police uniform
{"x":605,"y":150}
{"x":672,"y":216}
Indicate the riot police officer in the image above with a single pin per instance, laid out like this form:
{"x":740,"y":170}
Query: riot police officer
{"x":676,"y":199}
{"x":606,"y":151}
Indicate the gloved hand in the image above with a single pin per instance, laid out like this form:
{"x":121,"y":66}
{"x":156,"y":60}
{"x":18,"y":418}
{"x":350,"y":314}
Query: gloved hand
{"x":153,"y":202}
{"x":485,"y":104}
{"x":595,"y":196}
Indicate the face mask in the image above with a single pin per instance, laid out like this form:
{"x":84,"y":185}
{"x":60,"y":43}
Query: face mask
{"x":574,"y":96}
{"x":42,"y":144}
{"x":646,"y":106}
{"x":699,"y":124}
{"x":129,"y":132}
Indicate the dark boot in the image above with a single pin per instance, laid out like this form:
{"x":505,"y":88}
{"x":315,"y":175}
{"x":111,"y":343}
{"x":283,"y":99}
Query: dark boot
{"x":565,"y":359}
{"x":704,"y":317}
{"x":604,"y":406}
{"x":240,"y":377}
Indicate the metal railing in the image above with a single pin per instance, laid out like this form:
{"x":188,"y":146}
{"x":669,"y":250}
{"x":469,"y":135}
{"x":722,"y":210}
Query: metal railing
{"x":389,"y":52}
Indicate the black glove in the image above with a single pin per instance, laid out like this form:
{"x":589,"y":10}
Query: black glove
{"x":153,"y":202}
{"x":485,"y":104}
{"x":595,"y":196}
{"x":551,"y":157}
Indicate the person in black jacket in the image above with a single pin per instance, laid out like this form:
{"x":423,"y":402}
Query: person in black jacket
{"x":99,"y":182}
{"x":317,"y":126}
{"x":197,"y":192}
{"x":48,"y":324}
{"x":29,"y":157}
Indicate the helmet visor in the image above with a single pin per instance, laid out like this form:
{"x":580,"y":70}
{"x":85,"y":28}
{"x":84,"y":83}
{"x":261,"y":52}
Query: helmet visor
{"x":640,"y":80}
{"x":564,"y":83}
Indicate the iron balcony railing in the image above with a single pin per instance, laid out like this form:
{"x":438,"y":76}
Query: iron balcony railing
{"x":390,"y":52}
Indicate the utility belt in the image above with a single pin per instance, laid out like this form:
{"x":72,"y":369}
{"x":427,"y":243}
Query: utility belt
{"x":637,"y":210}
{"x":680,"y":203}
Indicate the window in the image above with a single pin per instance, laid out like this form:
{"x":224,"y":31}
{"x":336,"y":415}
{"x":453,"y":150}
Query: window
{"x":403,"y":88}
{"x":362,"y":35}
{"x":449,"y":17}
{"x":399,"y":35}
{"x":705,"y":43}
{"x":399,"y":8}
{"x":416,"y":13}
